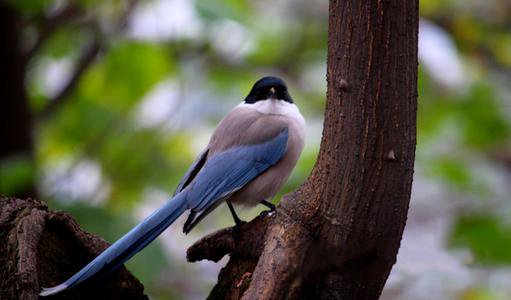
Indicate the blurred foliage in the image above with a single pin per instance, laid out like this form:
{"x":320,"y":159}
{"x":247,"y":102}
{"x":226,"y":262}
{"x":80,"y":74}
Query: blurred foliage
{"x":95,"y":156}
{"x":15,"y":173}
{"x":208,"y":60}
{"x":471,"y":123}
{"x":488,"y":238}
{"x":479,"y":293}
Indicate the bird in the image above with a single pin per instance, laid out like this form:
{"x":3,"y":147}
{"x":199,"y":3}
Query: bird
{"x":249,"y":157}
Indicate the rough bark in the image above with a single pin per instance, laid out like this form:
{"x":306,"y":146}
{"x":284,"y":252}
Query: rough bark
{"x":244,"y":244}
{"x":338,"y":235}
{"x":44,"y":248}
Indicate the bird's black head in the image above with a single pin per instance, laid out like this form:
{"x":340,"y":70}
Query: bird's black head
{"x":267,"y":88}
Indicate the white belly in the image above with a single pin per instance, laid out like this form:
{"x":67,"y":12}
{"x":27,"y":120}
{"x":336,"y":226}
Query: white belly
{"x":266,"y":185}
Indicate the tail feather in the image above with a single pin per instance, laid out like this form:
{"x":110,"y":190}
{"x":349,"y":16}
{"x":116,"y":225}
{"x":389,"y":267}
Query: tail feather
{"x":127,"y":246}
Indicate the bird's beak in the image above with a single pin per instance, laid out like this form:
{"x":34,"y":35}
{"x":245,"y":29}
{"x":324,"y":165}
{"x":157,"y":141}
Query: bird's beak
{"x":272,"y":93}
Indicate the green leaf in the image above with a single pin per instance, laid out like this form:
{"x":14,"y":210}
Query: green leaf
{"x":487,"y":236}
{"x":478,"y":293}
{"x":31,"y":7}
{"x":450,"y":169}
{"x":484,"y":126}
{"x":16,"y":173}
{"x":127,"y":73}
{"x":210,"y":10}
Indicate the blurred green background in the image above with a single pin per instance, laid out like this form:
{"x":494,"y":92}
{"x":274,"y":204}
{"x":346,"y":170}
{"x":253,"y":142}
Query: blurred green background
{"x":122,"y":95}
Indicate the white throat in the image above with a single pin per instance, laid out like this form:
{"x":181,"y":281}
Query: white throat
{"x":273,"y":107}
{"x":278,"y":107}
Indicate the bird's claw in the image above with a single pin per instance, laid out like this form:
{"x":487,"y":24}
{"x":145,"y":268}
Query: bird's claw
{"x":266,"y":213}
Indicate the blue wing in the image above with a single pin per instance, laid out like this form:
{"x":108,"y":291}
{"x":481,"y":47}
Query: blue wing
{"x":226,"y":172}
{"x":193,"y":170}
{"x":208,"y":182}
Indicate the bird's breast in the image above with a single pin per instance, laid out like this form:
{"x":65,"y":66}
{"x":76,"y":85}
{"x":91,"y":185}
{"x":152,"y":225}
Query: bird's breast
{"x":266,"y":185}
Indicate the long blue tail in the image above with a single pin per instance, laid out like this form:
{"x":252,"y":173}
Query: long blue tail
{"x":127,"y":246}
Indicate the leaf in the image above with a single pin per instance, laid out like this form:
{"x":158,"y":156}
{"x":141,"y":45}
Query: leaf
{"x":450,"y":169}
{"x":238,"y":10}
{"x":481,"y":118}
{"x":487,"y":236}
{"x":478,"y":293}
{"x":16,"y":173}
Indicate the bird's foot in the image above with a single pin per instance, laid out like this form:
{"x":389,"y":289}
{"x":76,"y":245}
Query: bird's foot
{"x":269,"y":212}
{"x":266,"y":213}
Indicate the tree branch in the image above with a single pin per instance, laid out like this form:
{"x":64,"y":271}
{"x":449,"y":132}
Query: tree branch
{"x":244,"y":244}
{"x":49,"y":25}
{"x":279,"y":266}
{"x":43,"y":248}
{"x":245,"y":240}
{"x":85,"y":60}
{"x":337,"y":236}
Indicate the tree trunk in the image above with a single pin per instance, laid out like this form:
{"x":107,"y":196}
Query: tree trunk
{"x":42,"y":248}
{"x":338,"y":235}
{"x":16,"y":122}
